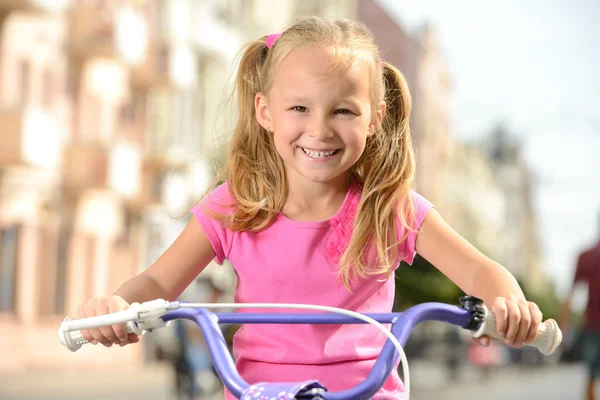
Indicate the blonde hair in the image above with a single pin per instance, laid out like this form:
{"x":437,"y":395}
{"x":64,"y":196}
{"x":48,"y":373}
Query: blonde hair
{"x":256,"y":173}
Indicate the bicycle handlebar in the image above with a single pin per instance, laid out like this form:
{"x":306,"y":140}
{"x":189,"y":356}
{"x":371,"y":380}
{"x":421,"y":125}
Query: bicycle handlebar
{"x":140,"y":318}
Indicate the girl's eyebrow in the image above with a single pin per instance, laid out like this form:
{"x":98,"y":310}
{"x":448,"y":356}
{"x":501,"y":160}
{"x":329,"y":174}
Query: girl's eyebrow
{"x":300,"y":99}
{"x":341,"y":99}
{"x":350,"y":99}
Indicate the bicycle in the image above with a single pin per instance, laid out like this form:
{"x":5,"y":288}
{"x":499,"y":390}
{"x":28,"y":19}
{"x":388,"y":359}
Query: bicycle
{"x":472,"y":315}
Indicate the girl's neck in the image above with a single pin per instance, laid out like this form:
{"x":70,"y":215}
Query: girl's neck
{"x":315,"y":201}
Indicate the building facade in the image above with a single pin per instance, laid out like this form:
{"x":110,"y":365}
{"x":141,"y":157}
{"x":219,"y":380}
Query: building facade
{"x":109,"y":132}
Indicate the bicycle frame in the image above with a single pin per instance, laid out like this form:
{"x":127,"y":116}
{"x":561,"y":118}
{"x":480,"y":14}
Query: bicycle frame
{"x":402,"y":324}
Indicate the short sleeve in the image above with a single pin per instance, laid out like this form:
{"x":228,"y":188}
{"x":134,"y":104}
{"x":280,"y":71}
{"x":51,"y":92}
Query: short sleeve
{"x":421,"y":208}
{"x":218,"y":202}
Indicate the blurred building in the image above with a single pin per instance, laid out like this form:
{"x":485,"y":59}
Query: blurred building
{"x":72,"y":155}
{"x":520,"y":239}
{"x":489,"y":199}
{"x":397,"y":46}
{"x":432,"y":118}
{"x":418,"y":55}
{"x":475,"y":203}
{"x":483,"y":190}
{"x":104,"y":114}
{"x":110,"y":130}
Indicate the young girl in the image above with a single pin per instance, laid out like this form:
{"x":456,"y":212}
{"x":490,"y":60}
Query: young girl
{"x":318,"y":208}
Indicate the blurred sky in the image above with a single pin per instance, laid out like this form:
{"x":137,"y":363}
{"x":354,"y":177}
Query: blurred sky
{"x":535,"y":65}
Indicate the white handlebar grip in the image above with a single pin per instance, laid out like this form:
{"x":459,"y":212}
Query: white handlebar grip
{"x":547,"y":340}
{"x":73,"y":340}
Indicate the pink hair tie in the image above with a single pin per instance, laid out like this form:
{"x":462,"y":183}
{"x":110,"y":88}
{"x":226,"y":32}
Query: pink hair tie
{"x":271,"y":39}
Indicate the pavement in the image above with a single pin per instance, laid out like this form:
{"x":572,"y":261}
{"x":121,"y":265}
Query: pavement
{"x":429,"y":381}
{"x":148,"y":381}
{"x":549,"y":382}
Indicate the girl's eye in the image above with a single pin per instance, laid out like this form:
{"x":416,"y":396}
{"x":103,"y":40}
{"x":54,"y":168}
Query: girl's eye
{"x":343,"y":111}
{"x":299,"y":109}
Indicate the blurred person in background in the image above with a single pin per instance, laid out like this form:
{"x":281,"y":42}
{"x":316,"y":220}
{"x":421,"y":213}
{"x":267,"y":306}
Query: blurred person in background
{"x":192,"y":364}
{"x":486,"y":358}
{"x":182,"y":344}
{"x":587,"y":272}
{"x":455,"y":353}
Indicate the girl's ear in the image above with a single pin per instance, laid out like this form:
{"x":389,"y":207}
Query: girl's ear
{"x":377,"y":120}
{"x":261,"y":108}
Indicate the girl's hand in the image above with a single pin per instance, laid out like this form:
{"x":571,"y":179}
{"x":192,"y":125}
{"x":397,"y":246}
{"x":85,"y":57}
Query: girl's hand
{"x":107,"y":335}
{"x":517,"y":320}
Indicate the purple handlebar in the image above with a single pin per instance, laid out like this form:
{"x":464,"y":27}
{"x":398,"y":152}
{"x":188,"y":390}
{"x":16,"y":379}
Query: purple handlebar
{"x":402,"y":324}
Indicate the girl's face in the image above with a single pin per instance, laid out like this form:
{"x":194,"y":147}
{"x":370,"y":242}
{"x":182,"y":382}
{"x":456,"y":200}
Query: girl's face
{"x":320,"y":121}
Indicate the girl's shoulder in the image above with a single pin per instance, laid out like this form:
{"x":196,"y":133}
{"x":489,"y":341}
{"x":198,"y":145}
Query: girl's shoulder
{"x":412,"y":217}
{"x":218,"y":200}
{"x":221,"y":192}
{"x":420,"y":203}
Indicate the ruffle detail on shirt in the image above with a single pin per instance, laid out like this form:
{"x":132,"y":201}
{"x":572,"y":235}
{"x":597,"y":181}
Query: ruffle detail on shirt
{"x":342,"y":226}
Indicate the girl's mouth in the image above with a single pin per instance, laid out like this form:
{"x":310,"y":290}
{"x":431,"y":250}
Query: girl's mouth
{"x":319,"y":154}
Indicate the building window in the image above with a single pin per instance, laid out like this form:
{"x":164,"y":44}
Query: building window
{"x":72,"y":86}
{"x":62,"y":257}
{"x":90,"y":120}
{"x":9,"y":241}
{"x":48,"y":88}
{"x":160,"y":110}
{"x":1,"y":65}
{"x":100,"y":166}
{"x":180,"y":121}
{"x":139,"y":120}
{"x":89,"y":248}
{"x":163,"y":60}
{"x":158,"y":183}
{"x":25,"y":81}
{"x":52,"y":270}
{"x":127,"y":113}
{"x":46,"y":267}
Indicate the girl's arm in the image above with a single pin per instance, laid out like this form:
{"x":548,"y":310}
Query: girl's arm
{"x":175,"y":269}
{"x":166,"y":278}
{"x":478,"y":275}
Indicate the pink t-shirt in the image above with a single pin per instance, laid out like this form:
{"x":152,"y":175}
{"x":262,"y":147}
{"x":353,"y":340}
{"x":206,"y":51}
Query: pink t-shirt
{"x":296,"y":262}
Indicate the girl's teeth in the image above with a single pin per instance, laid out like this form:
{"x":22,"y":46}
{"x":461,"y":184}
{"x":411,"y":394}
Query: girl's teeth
{"x":318,"y":154}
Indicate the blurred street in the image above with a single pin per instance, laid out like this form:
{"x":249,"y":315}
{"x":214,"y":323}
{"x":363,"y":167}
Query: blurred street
{"x":556,"y":382}
{"x":428,"y":380}
{"x":114,"y":120}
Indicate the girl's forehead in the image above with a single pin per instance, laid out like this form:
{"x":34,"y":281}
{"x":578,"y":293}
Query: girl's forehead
{"x":307,"y":65}
{"x":324,"y":60}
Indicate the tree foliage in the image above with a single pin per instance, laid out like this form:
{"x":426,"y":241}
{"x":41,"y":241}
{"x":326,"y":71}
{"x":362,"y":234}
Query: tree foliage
{"x":421,"y":282}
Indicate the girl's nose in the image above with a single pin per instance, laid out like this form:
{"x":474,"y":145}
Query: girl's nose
{"x":319,"y":128}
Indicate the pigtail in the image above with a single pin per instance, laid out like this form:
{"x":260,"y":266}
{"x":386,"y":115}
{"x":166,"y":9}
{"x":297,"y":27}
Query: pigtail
{"x":399,"y":104}
{"x":256,"y":173}
{"x":386,"y":170}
